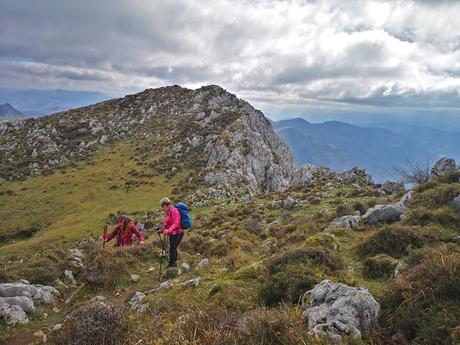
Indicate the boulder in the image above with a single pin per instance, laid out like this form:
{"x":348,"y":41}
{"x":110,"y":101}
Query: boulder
{"x":337,"y":309}
{"x":203,"y":264}
{"x":442,"y":167}
{"x":69,"y":278}
{"x":347,"y":222}
{"x":457,"y":203}
{"x":387,"y":213}
{"x":136,"y":300}
{"x":185,"y":266}
{"x":355,"y":175}
{"x":304,"y":176}
{"x":289,"y":203}
{"x":12,"y":314}
{"x":39,"y":293}
{"x":191,"y":282}
{"x":57,"y":327}
{"x":26,"y":303}
{"x":391,"y":187}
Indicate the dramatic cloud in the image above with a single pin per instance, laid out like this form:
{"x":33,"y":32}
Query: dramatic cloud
{"x":283,"y":55}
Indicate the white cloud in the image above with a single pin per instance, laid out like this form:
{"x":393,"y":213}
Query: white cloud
{"x":357,"y":52}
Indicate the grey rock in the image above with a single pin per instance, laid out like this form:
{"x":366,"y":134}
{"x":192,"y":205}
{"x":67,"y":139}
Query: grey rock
{"x":26,"y":303}
{"x":457,"y":203}
{"x":165,"y":285}
{"x":391,"y":187}
{"x":39,"y":293}
{"x":289,"y":203}
{"x":191,"y":282}
{"x":12,"y":314}
{"x":442,"y":167}
{"x":277,"y":204}
{"x":338,"y":309}
{"x":400,"y":267}
{"x":347,"y":222}
{"x":134,"y":278}
{"x":387,"y":213}
{"x":136,"y":299}
{"x":304,"y":176}
{"x":185,"y":266}
{"x":76,"y":253}
{"x":69,"y":278}
{"x":57,"y":327}
{"x":355,"y":175}
{"x":203,"y":264}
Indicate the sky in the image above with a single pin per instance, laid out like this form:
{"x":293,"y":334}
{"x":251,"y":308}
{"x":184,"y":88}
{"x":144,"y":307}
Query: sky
{"x":317,"y":59}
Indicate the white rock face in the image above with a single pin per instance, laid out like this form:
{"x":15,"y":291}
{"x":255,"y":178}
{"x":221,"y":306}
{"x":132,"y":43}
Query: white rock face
{"x":338,"y":309}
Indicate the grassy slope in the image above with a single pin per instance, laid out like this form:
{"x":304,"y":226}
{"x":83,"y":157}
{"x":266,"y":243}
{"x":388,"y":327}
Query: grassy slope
{"x":76,"y":203}
{"x":238,"y":260}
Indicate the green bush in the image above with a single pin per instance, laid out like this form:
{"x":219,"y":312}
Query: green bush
{"x":424,"y":303}
{"x":391,"y":240}
{"x":379,"y":266}
{"x":290,"y":274}
{"x":439,"y":196}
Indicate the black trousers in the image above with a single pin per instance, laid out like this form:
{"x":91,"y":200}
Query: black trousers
{"x":174,"y":241}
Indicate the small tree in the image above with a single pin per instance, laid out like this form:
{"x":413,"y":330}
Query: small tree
{"x":415,"y":172}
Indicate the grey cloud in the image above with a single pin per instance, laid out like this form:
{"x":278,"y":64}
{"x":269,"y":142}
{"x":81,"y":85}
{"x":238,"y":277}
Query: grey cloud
{"x":318,"y":51}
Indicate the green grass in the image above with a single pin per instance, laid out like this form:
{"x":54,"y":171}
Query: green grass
{"x":75,"y":204}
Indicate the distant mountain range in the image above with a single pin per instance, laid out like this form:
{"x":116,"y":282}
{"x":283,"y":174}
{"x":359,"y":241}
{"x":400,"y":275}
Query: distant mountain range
{"x":44,"y":102}
{"x":379,"y":149}
{"x":8,"y":112}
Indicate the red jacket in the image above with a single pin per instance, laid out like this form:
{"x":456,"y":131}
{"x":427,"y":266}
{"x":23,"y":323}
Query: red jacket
{"x":172,"y":222}
{"x":125,"y":239}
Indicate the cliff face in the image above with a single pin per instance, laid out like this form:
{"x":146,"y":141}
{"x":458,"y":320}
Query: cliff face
{"x":223,"y":139}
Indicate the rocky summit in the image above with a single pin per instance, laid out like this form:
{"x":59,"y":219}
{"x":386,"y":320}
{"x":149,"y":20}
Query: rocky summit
{"x":229,"y":144}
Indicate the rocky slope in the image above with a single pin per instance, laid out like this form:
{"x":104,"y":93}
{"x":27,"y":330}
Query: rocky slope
{"x":228,"y":143}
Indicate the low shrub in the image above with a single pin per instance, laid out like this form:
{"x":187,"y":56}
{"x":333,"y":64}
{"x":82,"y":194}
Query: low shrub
{"x":290,"y":274}
{"x":445,"y":216}
{"x":379,"y":266}
{"x":391,"y":240}
{"x":424,"y":304}
{"x":439,"y":196}
{"x":92,"y":324}
{"x":342,"y":210}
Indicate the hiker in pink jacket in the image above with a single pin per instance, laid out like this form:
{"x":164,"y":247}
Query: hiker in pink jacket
{"x":124,"y":232}
{"x":171,"y":227}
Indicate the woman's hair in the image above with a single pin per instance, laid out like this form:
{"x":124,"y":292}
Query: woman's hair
{"x":165,"y":201}
{"x":126,"y":222}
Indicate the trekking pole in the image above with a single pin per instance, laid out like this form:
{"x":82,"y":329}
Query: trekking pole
{"x":161,"y":254}
{"x":104,"y":235}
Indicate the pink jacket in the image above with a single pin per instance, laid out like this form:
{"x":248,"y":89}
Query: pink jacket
{"x":125,"y":239}
{"x":172,"y":222}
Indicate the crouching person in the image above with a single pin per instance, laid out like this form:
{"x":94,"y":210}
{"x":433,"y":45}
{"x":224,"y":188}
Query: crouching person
{"x":124,"y":232}
{"x":172,"y":227}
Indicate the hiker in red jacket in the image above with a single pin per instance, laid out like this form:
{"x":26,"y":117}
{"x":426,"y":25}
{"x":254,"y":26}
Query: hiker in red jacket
{"x":124,"y":232}
{"x":171,"y":227}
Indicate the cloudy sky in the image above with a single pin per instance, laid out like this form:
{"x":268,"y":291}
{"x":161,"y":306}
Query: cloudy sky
{"x":286,"y":57}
